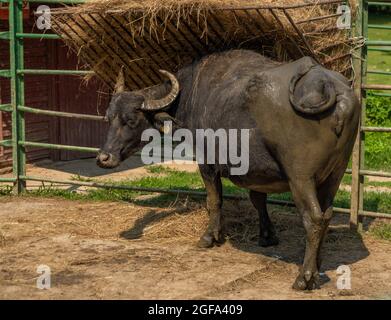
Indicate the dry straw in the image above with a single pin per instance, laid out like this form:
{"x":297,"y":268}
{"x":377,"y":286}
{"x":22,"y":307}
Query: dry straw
{"x":146,"y":35}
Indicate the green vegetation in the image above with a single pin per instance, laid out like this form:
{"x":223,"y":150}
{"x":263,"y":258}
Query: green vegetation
{"x":377,"y":144}
{"x":5,"y":190}
{"x":382,"y":231}
{"x":379,"y":61}
{"x":378,"y":109}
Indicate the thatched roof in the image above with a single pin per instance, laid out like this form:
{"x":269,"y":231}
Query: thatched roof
{"x":146,"y":35}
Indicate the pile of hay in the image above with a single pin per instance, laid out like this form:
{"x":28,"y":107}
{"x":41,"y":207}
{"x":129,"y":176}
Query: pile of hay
{"x":147,"y":35}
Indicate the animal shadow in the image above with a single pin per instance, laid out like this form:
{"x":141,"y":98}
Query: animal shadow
{"x":342,"y":246}
{"x":241,"y":228}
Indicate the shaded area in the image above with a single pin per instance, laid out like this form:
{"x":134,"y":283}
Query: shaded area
{"x":342,"y":246}
{"x":88,"y":167}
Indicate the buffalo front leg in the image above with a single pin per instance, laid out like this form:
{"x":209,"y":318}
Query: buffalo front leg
{"x":212,"y":181}
{"x":315,"y":223}
{"x":267,"y":234}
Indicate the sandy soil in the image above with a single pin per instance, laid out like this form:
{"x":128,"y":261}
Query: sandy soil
{"x":120,"y":250}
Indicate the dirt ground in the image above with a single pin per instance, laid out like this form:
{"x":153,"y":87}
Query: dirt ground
{"x":101,"y":250}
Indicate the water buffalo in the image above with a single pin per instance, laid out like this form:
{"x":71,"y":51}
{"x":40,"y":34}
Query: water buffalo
{"x":302,"y":118}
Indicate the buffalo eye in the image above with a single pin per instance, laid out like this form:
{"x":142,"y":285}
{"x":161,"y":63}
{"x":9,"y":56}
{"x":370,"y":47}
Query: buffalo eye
{"x":132,"y":122}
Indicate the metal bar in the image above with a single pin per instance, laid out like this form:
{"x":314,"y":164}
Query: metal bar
{"x":332,"y":45}
{"x":243,"y":23}
{"x":342,"y":56}
{"x":371,"y":173}
{"x":113,"y":52}
{"x":371,"y":214}
{"x":2,"y":179}
{"x":300,"y":34}
{"x":379,"y":94}
{"x":194,"y":24}
{"x":185,"y":192}
{"x":135,"y":46}
{"x":121,"y":187}
{"x":376,"y":87}
{"x":319,"y":18}
{"x":156,"y":48}
{"x":5,"y":35}
{"x":364,"y":68}
{"x":356,"y":199}
{"x":190,"y":31}
{"x":388,"y":73}
{"x":55,"y":72}
{"x":375,"y":129}
{"x":6,"y":107}
{"x":15,"y":19}
{"x":255,"y":21}
{"x":6,"y":143}
{"x":379,"y":26}
{"x":283,"y":28}
{"x":56,"y":146}
{"x":37,"y":35}
{"x":375,"y":173}
{"x":379,"y":3}
{"x":128,"y":52}
{"x":380,"y":49}
{"x":5,"y":73}
{"x":61,"y":114}
{"x":293,"y":6}
{"x":265,"y":21}
{"x":377,"y":43}
{"x":186,"y":43}
{"x":255,"y":7}
{"x":221,"y":33}
{"x":58,"y":1}
{"x":104,"y":76}
{"x":323,"y":31}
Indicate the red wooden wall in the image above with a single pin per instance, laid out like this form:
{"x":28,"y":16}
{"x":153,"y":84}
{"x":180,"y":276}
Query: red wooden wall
{"x":65,"y":93}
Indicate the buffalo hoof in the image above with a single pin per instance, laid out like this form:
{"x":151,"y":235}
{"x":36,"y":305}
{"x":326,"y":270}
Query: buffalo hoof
{"x":208,"y":240}
{"x":268,"y":242}
{"x":307,"y":281}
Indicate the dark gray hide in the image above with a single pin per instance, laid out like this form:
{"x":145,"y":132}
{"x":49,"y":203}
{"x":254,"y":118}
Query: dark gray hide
{"x":302,"y":119}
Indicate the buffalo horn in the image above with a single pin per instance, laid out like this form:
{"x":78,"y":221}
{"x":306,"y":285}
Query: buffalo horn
{"x":158,"y":104}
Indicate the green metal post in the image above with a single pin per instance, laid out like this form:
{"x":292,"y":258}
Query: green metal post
{"x":17,"y":93}
{"x":364,"y":69}
{"x":358,"y":151}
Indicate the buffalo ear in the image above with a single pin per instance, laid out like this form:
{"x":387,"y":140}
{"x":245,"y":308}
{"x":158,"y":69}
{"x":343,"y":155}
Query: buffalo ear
{"x":161,"y":117}
{"x":311,"y":90}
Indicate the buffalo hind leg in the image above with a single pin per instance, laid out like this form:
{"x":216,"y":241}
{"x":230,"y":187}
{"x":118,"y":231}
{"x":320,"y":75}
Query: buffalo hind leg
{"x":212,"y":181}
{"x":326,"y":194}
{"x":267,"y":234}
{"x":315,"y":223}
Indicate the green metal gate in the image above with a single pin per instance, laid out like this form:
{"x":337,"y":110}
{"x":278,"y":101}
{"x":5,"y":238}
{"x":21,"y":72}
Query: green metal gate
{"x":17,"y":107}
{"x":361,"y":87}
